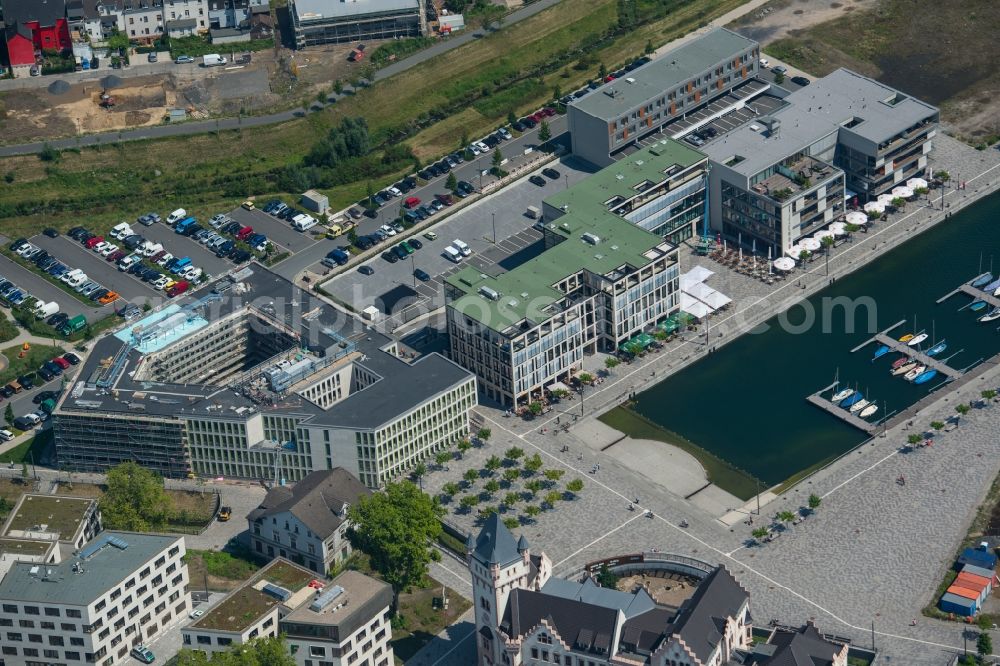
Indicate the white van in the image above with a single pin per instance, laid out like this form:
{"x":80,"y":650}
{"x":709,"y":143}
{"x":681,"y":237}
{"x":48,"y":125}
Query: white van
{"x":149,"y":248}
{"x":462,"y":247}
{"x":78,"y":280}
{"x":128,"y":262}
{"x":71,"y":275}
{"x":43,"y":310}
{"x":121,"y":230}
{"x":213,"y":60}
{"x":453,"y":254}
{"x":176,"y":216}
{"x":303,"y":222}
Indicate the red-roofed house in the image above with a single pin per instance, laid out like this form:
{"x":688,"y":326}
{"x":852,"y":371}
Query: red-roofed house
{"x":33,"y":25}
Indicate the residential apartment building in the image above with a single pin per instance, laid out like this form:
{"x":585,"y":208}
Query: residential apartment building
{"x":624,"y":110}
{"x":526,"y":617}
{"x":70,"y":521}
{"x":600,"y":281}
{"x":307,"y":523}
{"x":119,"y":591}
{"x":340,"y":622}
{"x":332,"y":21}
{"x":251,"y":377}
{"x":789,"y":174}
{"x":223,"y":14}
{"x":29,"y":26}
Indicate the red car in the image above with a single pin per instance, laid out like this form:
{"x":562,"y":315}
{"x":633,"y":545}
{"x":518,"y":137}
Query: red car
{"x":412,"y":202}
{"x":244,"y":232}
{"x":61,"y":362}
{"x":178,"y":289}
{"x":549,"y":111}
{"x":444,"y":198}
{"x":93,"y":241}
{"x":115,"y":256}
{"x":537,"y":116}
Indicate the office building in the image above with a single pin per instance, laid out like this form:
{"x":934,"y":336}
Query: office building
{"x":340,"y":622}
{"x":789,"y":174}
{"x":332,"y":21}
{"x":307,"y":523}
{"x":526,"y":617}
{"x":624,"y":110}
{"x":68,"y":521}
{"x":601,"y":281}
{"x":119,"y":591}
{"x":253,"y":378}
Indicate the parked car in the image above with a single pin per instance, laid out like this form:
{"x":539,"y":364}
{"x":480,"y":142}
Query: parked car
{"x":551,"y":173}
{"x":366,"y":270}
{"x":800,"y":80}
{"x":71,"y":358}
{"x":390,"y":256}
{"x":51,"y":233}
{"x":421,"y":275}
{"x":537,"y":180}
{"x":415,"y":244}
{"x":183,"y":60}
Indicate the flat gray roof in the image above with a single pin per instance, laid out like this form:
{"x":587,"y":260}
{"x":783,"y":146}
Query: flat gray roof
{"x":315,"y":10}
{"x":844,"y":94}
{"x":663,"y":74}
{"x":59,"y":584}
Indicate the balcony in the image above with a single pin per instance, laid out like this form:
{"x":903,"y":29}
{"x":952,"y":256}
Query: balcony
{"x":794,"y":177}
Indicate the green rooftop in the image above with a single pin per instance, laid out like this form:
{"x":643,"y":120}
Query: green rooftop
{"x":526,"y":292}
{"x":245,"y":605}
{"x":26,"y":547}
{"x":49,"y":513}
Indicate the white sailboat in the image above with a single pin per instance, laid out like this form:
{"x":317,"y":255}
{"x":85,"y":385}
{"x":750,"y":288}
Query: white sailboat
{"x":905,"y":368}
{"x":917,"y":340}
{"x":912,"y":374}
{"x":841,"y":395}
{"x":859,"y":405}
{"x":868,"y":411}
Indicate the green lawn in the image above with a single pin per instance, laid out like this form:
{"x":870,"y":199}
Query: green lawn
{"x":31,"y":361}
{"x":721,"y":473}
{"x":8,"y":331}
{"x":28,"y":450}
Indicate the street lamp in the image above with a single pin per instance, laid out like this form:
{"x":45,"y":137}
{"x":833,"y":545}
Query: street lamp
{"x":493,"y":216}
{"x":413,"y":271}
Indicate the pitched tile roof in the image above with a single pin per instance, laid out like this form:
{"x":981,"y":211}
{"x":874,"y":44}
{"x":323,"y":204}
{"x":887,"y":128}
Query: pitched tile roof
{"x":46,"y":12}
{"x":495,"y":543}
{"x":802,"y":647}
{"x":700,"y":623}
{"x":316,"y":500}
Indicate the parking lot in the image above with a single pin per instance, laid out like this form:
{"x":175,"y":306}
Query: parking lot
{"x":393,"y":287}
{"x":182,"y":246}
{"x":41,"y":288}
{"x":277,"y":231}
{"x":97,"y":269}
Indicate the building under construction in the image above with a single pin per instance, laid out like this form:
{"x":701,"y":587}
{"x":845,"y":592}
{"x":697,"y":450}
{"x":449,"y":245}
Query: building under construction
{"x":252,"y":378}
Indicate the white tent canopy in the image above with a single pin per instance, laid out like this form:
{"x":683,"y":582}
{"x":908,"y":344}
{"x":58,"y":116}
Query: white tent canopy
{"x":885,"y":199}
{"x":693,"y":306}
{"x":707,"y":295}
{"x":784,"y":263}
{"x":810,"y":244}
{"x":903,"y":192}
{"x":794,"y":251}
{"x":856,"y":217}
{"x":875,"y":206}
{"x":838,"y":229}
{"x":826,"y":233}
{"x":916,"y":183}
{"x":696,"y":275}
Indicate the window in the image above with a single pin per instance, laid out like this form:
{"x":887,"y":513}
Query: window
{"x":9,"y":650}
{"x":6,"y":622}
{"x":26,"y":624}
{"x":48,"y":625}
{"x":73,"y":640}
{"x":204,"y":640}
{"x":316,"y":651}
{"x":9,"y":608}
{"x":34,"y":638}
{"x":31,"y":610}
{"x":56,"y":640}
{"x":51,"y":612}
{"x":51,"y":654}
{"x":30,"y":652}
{"x":70,"y":612}
{"x":73,"y":656}
{"x":14,"y":636}
{"x":67,"y":627}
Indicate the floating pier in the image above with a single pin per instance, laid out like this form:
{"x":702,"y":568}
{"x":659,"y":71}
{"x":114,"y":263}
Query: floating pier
{"x":841,"y":413}
{"x":976,"y":293}
{"x":903,"y":348}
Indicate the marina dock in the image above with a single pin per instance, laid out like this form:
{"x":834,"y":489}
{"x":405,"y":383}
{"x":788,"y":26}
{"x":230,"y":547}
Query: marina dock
{"x":841,"y":413}
{"x":976,"y":293}
{"x":895,"y":345}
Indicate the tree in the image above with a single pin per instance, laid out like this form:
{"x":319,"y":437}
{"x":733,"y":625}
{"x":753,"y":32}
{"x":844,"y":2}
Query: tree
{"x":914,"y":439}
{"x":937,"y":425}
{"x":814,"y":501}
{"x":338,"y":87}
{"x":585,"y":378}
{"x":510,"y":499}
{"x":602,"y":72}
{"x":779,"y":78}
{"x":463,"y":141}
{"x":260,"y":651}
{"x":552,"y":497}
{"x":452,"y":182}
{"x":988,"y":394}
{"x":605,"y":578}
{"x":511,"y":523}
{"x":452,"y":488}
{"x":535,"y":408}
{"x":135,"y":500}
{"x":611,"y":363}
{"x":827,"y":243}
{"x":533,"y":464}
{"x":24,"y":472}
{"x":786,"y":516}
{"x":368,"y":72}
{"x":575,"y":486}
{"x":492,"y":487}
{"x":648,"y":48}
{"x":942,"y":175}
{"x":511,"y":474}
{"x":443,"y":457}
{"x":49,"y":154}
{"x":370,"y":194}
{"x":554,"y":474}
{"x":488,"y":511}
{"x":394,"y":528}
{"x":468,"y":502}
{"x":497,"y":159}
{"x":898,"y":202}
{"x":419,"y":472}
{"x":533,"y":486}
{"x":984,"y":645}
{"x":760,"y":533}
{"x":556,"y":91}
{"x":544,"y":132}
{"x":471,"y":476}
{"x":493,"y":464}
{"x":513,"y":453}
{"x":484,"y":434}
{"x":803,"y":255}
{"x":464,"y":446}
{"x":511,"y":117}
{"x":532,"y":510}
{"x":8,"y":414}
{"x":962,"y":409}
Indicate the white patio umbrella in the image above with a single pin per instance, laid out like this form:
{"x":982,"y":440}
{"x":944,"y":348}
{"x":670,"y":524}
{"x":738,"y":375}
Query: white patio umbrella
{"x":903,"y":192}
{"x":875,"y":207}
{"x":885,"y":198}
{"x":794,"y":252}
{"x":856,"y":217}
{"x":810,"y":244}
{"x":784,"y":263}
{"x":916,"y":183}
{"x":820,"y":235}
{"x":838,"y":229}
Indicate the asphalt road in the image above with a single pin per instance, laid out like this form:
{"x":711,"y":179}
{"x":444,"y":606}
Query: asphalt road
{"x":277,"y":231}
{"x":468,"y":171}
{"x":42,"y":288}
{"x":203,"y":126}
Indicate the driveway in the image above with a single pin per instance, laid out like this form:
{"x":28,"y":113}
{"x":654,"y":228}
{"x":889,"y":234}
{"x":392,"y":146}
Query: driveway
{"x":277,"y":231}
{"x":94,"y":265}
{"x":183,"y":246}
{"x":42,"y":288}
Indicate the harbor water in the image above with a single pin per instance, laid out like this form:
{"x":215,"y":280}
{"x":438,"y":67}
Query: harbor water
{"x":745,"y":402}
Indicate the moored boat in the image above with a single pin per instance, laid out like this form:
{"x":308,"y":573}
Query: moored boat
{"x":852,"y":400}
{"x":880,"y":352}
{"x":917,"y":340}
{"x":907,"y":337}
{"x":990,"y":287}
{"x":937,"y":349}
{"x":868,"y":411}
{"x":903,"y":369}
{"x":859,"y":405}
{"x":991,"y":315}
{"x":913,"y":374}
{"x":925,"y":376}
{"x":900,"y":361}
{"x":982,"y":279}
{"x":977,"y":306}
{"x":841,"y":395}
